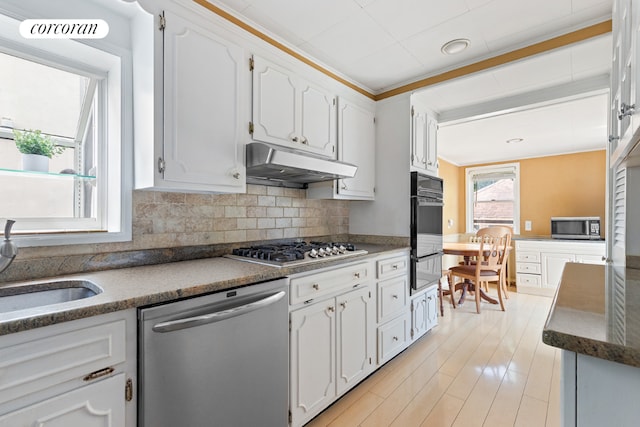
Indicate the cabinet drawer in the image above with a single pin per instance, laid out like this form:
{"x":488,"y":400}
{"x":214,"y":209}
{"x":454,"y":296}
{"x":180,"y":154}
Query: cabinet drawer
{"x":33,"y":365}
{"x":392,"y":298}
{"x":328,"y":282}
{"x":527,"y":256}
{"x":528,"y":267}
{"x":100,"y":403}
{"x":391,"y":267}
{"x":528,"y":280}
{"x":393,"y":337}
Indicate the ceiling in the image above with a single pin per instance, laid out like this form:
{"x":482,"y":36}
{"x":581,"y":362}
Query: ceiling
{"x":384,"y":44}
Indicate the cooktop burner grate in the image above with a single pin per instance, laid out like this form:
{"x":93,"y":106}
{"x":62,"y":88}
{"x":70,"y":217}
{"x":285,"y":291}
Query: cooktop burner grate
{"x":295,"y":253}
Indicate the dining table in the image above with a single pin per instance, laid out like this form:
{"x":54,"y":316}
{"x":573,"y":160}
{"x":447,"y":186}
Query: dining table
{"x":467,"y":250}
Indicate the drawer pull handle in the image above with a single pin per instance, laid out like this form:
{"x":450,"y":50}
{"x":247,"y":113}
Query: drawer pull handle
{"x":315,"y":286}
{"x":97,"y":374}
{"x":357,"y":275}
{"x":394,"y":266}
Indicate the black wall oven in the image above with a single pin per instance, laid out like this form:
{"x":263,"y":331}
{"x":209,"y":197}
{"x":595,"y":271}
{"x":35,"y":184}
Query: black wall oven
{"x":426,"y":230}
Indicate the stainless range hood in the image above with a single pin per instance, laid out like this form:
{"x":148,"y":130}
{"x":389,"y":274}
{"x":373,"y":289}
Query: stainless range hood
{"x":274,"y":165}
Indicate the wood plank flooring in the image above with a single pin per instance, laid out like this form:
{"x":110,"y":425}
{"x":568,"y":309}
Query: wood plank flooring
{"x":490,"y":369}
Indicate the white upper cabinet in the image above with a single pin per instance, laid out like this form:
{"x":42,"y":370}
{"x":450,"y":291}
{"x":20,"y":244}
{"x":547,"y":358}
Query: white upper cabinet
{"x":424,"y":141}
{"x":289,"y":111}
{"x":203,"y":93}
{"x":357,"y":145}
{"x":625,"y":90}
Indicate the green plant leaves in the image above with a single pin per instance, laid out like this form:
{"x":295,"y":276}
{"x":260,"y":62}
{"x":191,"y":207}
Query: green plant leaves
{"x":34,"y":142}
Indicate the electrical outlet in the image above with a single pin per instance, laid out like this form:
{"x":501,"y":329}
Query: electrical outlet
{"x":527,"y":226}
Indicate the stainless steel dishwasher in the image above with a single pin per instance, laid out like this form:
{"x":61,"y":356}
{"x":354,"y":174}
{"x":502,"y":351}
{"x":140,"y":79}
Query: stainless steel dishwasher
{"x":216,"y":360}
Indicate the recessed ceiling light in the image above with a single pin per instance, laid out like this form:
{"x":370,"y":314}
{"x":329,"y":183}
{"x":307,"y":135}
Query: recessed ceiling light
{"x":514,"y":140}
{"x":455,"y":46}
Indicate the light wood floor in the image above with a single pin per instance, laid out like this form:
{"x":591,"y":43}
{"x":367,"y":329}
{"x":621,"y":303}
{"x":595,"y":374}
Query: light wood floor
{"x":490,"y":369}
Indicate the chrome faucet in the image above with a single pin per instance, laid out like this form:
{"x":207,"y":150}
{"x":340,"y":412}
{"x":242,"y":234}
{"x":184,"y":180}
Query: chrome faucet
{"x":8,"y":249}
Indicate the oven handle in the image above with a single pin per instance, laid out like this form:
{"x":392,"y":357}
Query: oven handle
{"x":217,"y":316}
{"x":425,"y":257}
{"x":429,"y":202}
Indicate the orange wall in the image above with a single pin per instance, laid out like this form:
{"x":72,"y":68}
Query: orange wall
{"x":566,"y":185}
{"x":452,"y":202}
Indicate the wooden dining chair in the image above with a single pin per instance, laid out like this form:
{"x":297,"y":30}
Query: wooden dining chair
{"x":492,"y":257}
{"x":487,"y":234}
{"x":444,"y":291}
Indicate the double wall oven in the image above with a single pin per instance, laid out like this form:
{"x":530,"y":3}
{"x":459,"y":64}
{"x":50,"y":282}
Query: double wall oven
{"x":426,"y":230}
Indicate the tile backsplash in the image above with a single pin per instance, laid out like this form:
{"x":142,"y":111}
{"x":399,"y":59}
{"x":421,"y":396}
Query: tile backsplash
{"x":263,"y":213}
{"x":169,"y":220}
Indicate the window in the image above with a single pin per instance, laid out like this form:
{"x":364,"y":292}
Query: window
{"x":72,"y":93}
{"x":493,"y":197}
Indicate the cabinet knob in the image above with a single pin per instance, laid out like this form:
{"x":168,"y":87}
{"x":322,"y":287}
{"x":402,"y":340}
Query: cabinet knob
{"x":394,"y":266}
{"x":236,"y":175}
{"x":331,"y":309}
{"x":344,"y":186}
{"x":304,"y":140}
{"x":343,"y":304}
{"x":315,"y":286}
{"x":394,"y":296}
{"x":395,"y":338}
{"x":294,"y":139}
{"x":357,"y":275}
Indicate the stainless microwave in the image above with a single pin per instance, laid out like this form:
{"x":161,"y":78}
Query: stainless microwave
{"x":582,"y":227}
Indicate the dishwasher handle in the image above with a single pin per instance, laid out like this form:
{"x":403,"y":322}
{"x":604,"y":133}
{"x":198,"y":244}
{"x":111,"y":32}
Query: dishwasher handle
{"x":190,"y":322}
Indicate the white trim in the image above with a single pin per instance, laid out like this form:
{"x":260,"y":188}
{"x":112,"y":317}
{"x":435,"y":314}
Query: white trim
{"x":505,"y":167}
{"x":112,"y":65}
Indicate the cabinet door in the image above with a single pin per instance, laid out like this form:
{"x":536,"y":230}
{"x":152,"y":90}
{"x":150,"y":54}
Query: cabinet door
{"x":276,"y":106}
{"x":552,"y":267}
{"x":313,"y":358}
{"x":419,"y":316}
{"x":318,"y":120}
{"x":356,"y":139}
{"x":355,"y":336}
{"x":419,"y":135}
{"x":424,"y":136}
{"x":432,"y":308}
{"x":432,"y":146}
{"x":203,"y":93}
{"x":99,"y":404}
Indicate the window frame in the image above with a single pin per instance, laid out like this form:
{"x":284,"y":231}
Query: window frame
{"x":112,"y":66}
{"x":481,"y":170}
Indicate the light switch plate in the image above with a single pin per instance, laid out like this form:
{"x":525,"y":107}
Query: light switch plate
{"x":527,"y":226}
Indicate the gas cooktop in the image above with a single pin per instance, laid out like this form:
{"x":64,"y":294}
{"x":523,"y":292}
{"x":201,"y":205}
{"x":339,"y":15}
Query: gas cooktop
{"x":295,"y":253}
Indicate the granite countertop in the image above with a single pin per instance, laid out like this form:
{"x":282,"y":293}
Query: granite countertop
{"x":596,"y":312}
{"x":151,"y":284}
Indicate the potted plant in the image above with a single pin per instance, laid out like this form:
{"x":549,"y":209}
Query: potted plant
{"x":36,"y":149}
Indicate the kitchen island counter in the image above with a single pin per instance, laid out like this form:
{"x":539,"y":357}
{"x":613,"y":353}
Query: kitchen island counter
{"x":596,"y":312}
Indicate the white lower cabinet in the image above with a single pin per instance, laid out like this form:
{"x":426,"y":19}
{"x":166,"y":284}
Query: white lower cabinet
{"x":100,"y":404}
{"x":78,"y":373}
{"x":394,"y":317}
{"x":332,"y":344}
{"x":539,"y":263}
{"x":393,"y":337}
{"x":424,"y":312}
{"x":596,"y":392}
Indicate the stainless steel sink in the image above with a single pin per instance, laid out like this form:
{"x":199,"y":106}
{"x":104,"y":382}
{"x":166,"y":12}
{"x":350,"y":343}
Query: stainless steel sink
{"x":45,"y":293}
